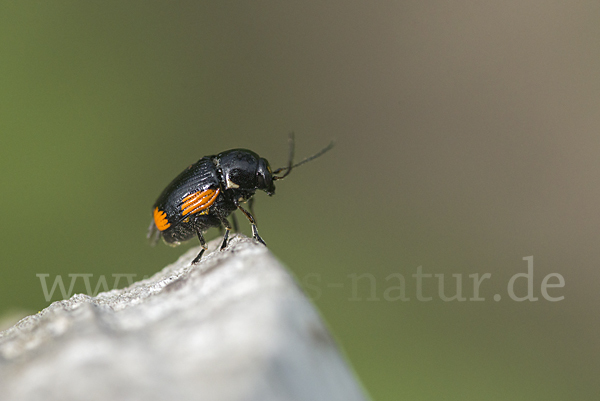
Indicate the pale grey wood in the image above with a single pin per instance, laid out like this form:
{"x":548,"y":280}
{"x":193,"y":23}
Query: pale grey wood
{"x":234,"y":327}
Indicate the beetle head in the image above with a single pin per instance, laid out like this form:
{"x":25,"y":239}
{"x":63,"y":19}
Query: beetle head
{"x":264,"y":177}
{"x":244,"y":170}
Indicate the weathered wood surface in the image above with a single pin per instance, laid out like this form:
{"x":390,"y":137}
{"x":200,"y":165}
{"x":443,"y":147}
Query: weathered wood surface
{"x":234,"y":327}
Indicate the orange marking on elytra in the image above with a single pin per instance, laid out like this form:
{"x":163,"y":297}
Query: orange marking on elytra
{"x":195,"y":198}
{"x":160,"y":219}
{"x":199,"y":201}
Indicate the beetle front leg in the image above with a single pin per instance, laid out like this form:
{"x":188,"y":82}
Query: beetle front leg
{"x":252,"y":222}
{"x":203,"y":245}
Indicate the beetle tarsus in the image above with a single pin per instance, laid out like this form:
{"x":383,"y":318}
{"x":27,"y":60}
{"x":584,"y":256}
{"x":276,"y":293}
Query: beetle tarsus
{"x":197,"y":258}
{"x":203,"y":245}
{"x":225,"y":238}
{"x":256,"y":236}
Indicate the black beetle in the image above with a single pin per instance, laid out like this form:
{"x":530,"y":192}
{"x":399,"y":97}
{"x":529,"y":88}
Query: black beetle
{"x":208,"y":191}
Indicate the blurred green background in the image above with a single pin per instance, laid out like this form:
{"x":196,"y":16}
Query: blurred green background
{"x":468,"y":137}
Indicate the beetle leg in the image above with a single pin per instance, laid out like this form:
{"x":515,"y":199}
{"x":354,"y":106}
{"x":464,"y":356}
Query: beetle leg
{"x":225,"y":224}
{"x":203,"y":245}
{"x":252,"y":222}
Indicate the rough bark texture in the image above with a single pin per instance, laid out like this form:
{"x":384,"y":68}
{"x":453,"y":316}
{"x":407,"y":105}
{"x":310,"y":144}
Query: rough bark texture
{"x":234,"y":327}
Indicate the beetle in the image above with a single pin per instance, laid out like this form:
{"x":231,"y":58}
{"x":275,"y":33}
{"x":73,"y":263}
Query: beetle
{"x":208,"y":191}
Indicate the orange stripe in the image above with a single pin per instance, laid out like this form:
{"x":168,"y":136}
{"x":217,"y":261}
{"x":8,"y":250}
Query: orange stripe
{"x":195,"y":198}
{"x":196,"y":206}
{"x":160,"y":219}
{"x":199,"y":201}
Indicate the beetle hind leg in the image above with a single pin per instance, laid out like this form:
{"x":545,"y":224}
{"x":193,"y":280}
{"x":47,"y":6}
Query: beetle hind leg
{"x":203,"y":245}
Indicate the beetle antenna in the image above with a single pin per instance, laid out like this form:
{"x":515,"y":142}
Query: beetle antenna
{"x":290,"y":166}
{"x":292,"y":141}
{"x":321,"y":152}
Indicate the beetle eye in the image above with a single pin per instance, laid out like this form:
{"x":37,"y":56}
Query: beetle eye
{"x":264,"y":179}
